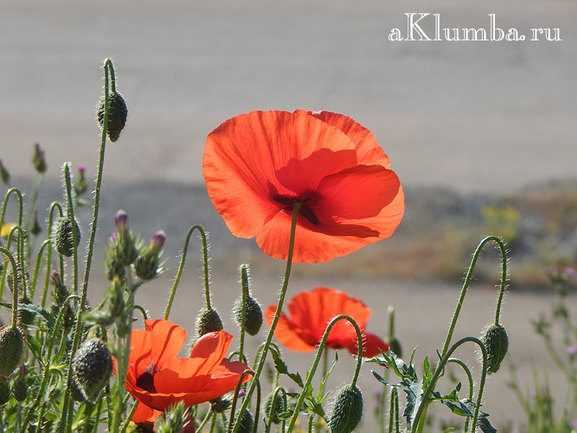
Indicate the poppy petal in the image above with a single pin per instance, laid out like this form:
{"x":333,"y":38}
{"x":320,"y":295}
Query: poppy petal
{"x":340,"y":198}
{"x":144,"y":414}
{"x":285,"y":333}
{"x":167,"y":341}
{"x":368,"y":149}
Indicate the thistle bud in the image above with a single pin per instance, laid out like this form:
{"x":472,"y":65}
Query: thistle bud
{"x":4,"y":391}
{"x":280,"y":406}
{"x":252,"y":315}
{"x":147,"y":264}
{"x":117,"y":113}
{"x":496,"y":342}
{"x":39,"y":159}
{"x":4,"y":174}
{"x":19,"y":387}
{"x":36,"y":228}
{"x":123,"y":245}
{"x":80,"y":184}
{"x":347,"y":410}
{"x":220,"y":405}
{"x":92,"y":367}
{"x":11,"y":349}
{"x":207,"y":321}
{"x":66,"y":235}
{"x":246,"y":422}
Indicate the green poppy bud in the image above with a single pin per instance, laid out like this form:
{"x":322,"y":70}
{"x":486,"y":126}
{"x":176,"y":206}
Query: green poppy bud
{"x":496,"y":342}
{"x":117,"y":114}
{"x":39,"y":159}
{"x":207,"y":321}
{"x":92,"y":367}
{"x":11,"y":349}
{"x":347,"y":410}
{"x":246,"y":422}
{"x":20,"y":388}
{"x":252,"y":315}
{"x":66,"y":236}
{"x":220,"y":405}
{"x":280,"y":406}
{"x":4,"y":392}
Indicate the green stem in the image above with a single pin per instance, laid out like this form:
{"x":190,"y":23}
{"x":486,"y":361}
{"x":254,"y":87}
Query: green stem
{"x":46,"y":245}
{"x":317,"y":359}
{"x":54,"y":206}
{"x":204,"y":421}
{"x":18,"y":197}
{"x":394,"y":412}
{"x":205,"y":266}
{"x":276,"y":318}
{"x":244,"y":282}
{"x":6,"y":252}
{"x":235,"y":398}
{"x":275,"y":395}
{"x":470,"y":382}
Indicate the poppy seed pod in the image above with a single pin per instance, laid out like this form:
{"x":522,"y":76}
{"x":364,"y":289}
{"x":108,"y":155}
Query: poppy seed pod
{"x":4,"y":392}
{"x":66,"y":235}
{"x":347,"y":411}
{"x":280,"y":406}
{"x":38,"y":159}
{"x":246,"y":422}
{"x":11,"y":349}
{"x":92,"y":367}
{"x":252,"y":315}
{"x":118,"y":111}
{"x":20,"y":388}
{"x":496,"y":342}
{"x":220,"y":405}
{"x":208,"y":320}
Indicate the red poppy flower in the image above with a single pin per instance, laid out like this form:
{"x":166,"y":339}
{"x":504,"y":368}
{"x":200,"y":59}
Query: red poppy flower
{"x":310,"y":313}
{"x":158,"y":378}
{"x":257,"y":166}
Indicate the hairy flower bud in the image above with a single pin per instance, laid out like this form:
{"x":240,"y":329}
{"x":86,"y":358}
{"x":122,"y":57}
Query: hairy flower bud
{"x":92,"y":367}
{"x":220,"y":405}
{"x":252,"y":315}
{"x":4,"y":174}
{"x":122,"y":248}
{"x":39,"y":159}
{"x":496,"y":342}
{"x":4,"y":391}
{"x":66,"y":235}
{"x":280,"y":406}
{"x":207,"y":321}
{"x":11,"y":349}
{"x":20,"y":387}
{"x":246,"y":422}
{"x":347,"y":410}
{"x":147,"y":264}
{"x":117,"y":113}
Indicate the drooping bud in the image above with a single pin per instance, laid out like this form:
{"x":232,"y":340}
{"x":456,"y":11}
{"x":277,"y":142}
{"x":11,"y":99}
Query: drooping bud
{"x":19,"y":387}
{"x":117,"y":114}
{"x":208,"y":320}
{"x":246,"y":422}
{"x":496,"y":342}
{"x":92,"y":367}
{"x":39,"y":159}
{"x":4,"y":174}
{"x":4,"y":391}
{"x":280,"y":406}
{"x":248,"y":315}
{"x":347,"y":410}
{"x":11,"y":349}
{"x":220,"y":405}
{"x":147,"y":264}
{"x":66,"y":235}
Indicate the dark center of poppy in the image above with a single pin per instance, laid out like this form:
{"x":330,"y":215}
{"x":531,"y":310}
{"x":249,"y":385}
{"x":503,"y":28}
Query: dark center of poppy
{"x":146,"y":380}
{"x":306,"y":201}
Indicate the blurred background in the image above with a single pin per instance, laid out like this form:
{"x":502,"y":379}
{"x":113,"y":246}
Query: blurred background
{"x":481,"y":134}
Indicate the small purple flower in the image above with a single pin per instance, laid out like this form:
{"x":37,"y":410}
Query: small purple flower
{"x":121,"y":220}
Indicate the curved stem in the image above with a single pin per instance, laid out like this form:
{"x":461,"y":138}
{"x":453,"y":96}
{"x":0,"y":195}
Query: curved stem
{"x":394,"y":412}
{"x":236,"y":396}
{"x":276,"y":318}
{"x":15,"y":292}
{"x":470,"y":381}
{"x":18,"y":197}
{"x":275,"y":395}
{"x":54,"y":206}
{"x":20,"y":258}
{"x":438,"y":372}
{"x":204,"y":421}
{"x":142,"y":311}
{"x":317,"y":359}
{"x":206,"y":269}
{"x":46,"y":245}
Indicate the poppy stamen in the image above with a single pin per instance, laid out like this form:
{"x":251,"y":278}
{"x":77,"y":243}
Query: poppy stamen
{"x":305,"y":201}
{"x":146,"y":380}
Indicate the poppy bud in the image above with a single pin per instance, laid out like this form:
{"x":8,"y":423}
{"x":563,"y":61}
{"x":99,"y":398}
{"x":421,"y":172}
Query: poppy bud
{"x":347,"y":411}
{"x":75,"y":392}
{"x":36,"y":228}
{"x":252,"y":315}
{"x":4,"y":391}
{"x":19,"y":387}
{"x":4,"y":174}
{"x":38,"y":159}
{"x":117,"y":113}
{"x":280,"y":406}
{"x":26,"y":316}
{"x":496,"y":342}
{"x":207,"y":321}
{"x":114,"y":269}
{"x":220,"y":405}
{"x":11,"y":349}
{"x":66,"y":236}
{"x":246,"y":422}
{"x":395,"y":347}
{"x":147,"y":264}
{"x":92,"y":367}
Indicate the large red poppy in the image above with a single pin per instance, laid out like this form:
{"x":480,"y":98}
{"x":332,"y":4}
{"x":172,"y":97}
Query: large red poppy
{"x":258,"y":165}
{"x":158,"y":378}
{"x":310,"y":313}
